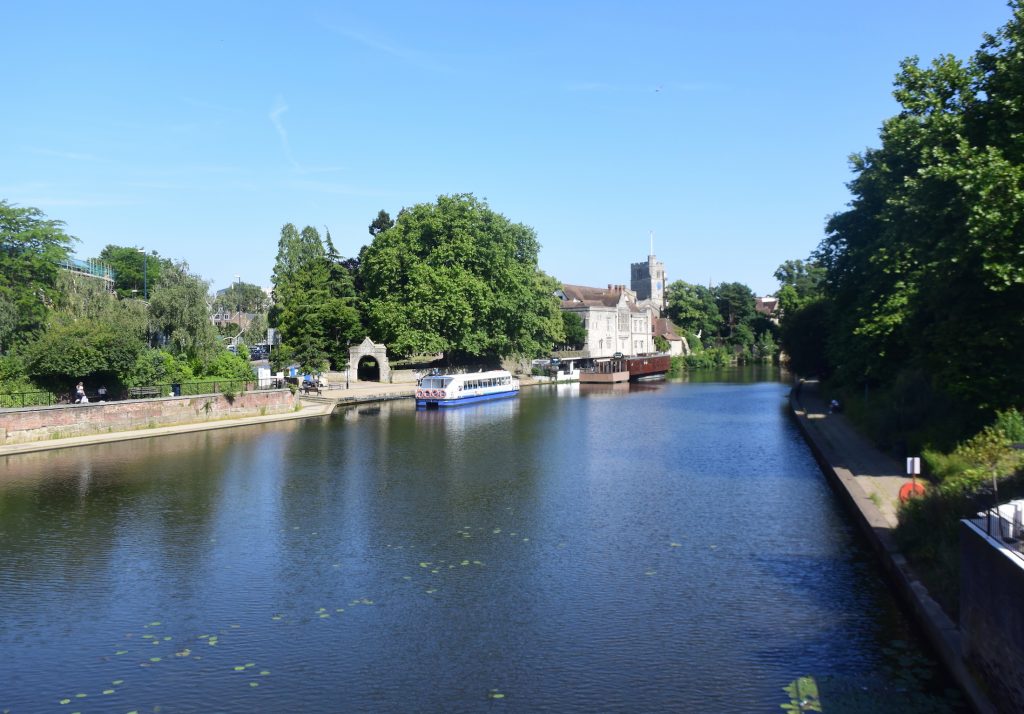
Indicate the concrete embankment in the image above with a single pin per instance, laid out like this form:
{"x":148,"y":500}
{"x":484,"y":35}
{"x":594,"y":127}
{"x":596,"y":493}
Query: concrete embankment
{"x":868,"y":482}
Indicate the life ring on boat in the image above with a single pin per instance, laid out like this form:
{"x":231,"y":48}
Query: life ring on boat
{"x":442,"y":395}
{"x":433,"y":393}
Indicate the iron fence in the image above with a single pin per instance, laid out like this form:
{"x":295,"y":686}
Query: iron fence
{"x":1008,"y":531}
{"x":18,"y":400}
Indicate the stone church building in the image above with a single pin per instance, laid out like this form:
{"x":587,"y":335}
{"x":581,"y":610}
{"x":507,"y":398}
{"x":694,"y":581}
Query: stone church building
{"x":619,"y":319}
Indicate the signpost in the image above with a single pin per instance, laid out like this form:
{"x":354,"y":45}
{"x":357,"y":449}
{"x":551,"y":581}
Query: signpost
{"x":912,"y":489}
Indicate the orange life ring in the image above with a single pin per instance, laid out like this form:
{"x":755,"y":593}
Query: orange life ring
{"x":442,"y":395}
{"x":911,"y":490}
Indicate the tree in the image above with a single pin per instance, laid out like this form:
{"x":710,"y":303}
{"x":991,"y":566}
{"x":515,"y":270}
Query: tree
{"x":301,"y":295}
{"x":735,"y":303}
{"x":81,"y":349}
{"x":575,"y":332}
{"x":31,"y":249}
{"x":381,"y":223}
{"x":692,"y":308}
{"x":180,"y":316}
{"x":245,"y":297}
{"x":800,"y":282}
{"x":455,"y":277}
{"x":135,"y":271}
{"x":925,"y":268}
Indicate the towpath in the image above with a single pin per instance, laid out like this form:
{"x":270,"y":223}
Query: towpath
{"x":868,"y":482}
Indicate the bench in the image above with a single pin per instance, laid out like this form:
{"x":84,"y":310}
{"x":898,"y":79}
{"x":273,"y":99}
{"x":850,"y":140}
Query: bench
{"x":143,"y":392}
{"x":311,"y":388}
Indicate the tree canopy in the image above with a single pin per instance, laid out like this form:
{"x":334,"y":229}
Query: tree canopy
{"x":924,"y":272}
{"x":136,"y":272}
{"x":31,"y":249}
{"x":456,"y":277}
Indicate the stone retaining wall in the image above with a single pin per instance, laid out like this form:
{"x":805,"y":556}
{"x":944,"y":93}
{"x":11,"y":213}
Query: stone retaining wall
{"x":19,"y":426}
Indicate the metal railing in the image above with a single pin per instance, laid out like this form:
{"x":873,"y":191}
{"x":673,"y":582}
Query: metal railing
{"x":19,"y":400}
{"x":1009,"y":532}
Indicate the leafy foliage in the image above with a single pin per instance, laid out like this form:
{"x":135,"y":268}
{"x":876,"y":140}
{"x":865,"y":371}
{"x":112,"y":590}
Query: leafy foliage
{"x":457,"y":278}
{"x":180,"y":315}
{"x":136,"y":272}
{"x":31,"y":248}
{"x":927,"y":263}
{"x":314,"y":301}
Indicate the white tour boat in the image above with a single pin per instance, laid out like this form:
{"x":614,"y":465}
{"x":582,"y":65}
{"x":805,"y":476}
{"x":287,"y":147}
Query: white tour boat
{"x":450,"y":390}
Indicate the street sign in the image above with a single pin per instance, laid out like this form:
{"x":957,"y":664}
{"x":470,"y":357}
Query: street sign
{"x":913,"y":466}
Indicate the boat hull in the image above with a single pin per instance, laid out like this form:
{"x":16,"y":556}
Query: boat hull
{"x":445,"y":403}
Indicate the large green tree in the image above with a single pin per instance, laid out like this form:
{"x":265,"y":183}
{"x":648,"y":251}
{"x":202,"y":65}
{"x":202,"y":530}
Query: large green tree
{"x":455,"y":277}
{"x":136,"y":272}
{"x":926,"y":269}
{"x":31,"y":250}
{"x":246,"y":297}
{"x":180,"y":315}
{"x":693,"y":309}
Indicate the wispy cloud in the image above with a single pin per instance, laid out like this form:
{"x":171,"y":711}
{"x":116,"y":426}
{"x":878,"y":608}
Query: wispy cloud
{"x":414,"y":57}
{"x":278,"y":109}
{"x":276,"y":113}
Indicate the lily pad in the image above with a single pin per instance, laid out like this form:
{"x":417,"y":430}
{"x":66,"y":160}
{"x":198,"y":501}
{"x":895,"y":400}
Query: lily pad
{"x":154,"y":659}
{"x":65,"y":701}
{"x":108,"y":691}
{"x":254,"y":684}
{"x":118,"y":681}
{"x":121,"y":652}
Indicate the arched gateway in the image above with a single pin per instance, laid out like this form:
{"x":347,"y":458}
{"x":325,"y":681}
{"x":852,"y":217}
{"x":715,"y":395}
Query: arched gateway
{"x":361,"y":359}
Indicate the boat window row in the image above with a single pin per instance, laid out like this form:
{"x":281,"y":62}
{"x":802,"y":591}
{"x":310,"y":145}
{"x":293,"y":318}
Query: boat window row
{"x":489,"y":382}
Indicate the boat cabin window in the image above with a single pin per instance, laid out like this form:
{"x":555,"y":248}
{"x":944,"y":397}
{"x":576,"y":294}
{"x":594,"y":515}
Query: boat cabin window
{"x":435,"y":382}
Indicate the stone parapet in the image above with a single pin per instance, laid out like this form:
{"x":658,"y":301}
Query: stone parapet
{"x":32,"y":424}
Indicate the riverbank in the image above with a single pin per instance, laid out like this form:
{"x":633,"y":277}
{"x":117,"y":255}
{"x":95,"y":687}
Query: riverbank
{"x":309,"y":407}
{"x":868,"y":483}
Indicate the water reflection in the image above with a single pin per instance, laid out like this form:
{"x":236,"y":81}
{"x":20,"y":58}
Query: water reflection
{"x":624,"y":552}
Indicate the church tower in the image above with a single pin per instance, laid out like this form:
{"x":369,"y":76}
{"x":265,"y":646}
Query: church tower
{"x":647,"y":280}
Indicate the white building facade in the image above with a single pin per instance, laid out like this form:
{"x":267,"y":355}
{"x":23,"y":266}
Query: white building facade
{"x":614,"y":320}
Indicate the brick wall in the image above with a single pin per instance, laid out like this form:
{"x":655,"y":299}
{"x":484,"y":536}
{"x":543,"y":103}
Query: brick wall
{"x":19,"y":426}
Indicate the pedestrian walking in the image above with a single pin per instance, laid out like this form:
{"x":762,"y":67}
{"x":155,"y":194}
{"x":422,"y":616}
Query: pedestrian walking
{"x":80,"y":394}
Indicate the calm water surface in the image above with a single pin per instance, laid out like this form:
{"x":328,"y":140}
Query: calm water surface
{"x":661,"y":548}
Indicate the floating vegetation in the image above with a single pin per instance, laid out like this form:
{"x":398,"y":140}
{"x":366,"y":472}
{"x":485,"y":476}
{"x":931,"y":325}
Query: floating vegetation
{"x":121,"y":652}
{"x":803,"y":696}
{"x":118,"y":682}
{"x":108,"y":691}
{"x":675,"y":545}
{"x":495,"y":694}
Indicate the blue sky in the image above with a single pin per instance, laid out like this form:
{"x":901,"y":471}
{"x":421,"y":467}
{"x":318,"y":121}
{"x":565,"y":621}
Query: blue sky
{"x":199,"y":129}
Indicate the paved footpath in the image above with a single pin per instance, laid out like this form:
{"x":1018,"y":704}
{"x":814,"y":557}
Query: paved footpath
{"x":849,"y":453}
{"x":313,"y":406}
{"x":869,"y":482}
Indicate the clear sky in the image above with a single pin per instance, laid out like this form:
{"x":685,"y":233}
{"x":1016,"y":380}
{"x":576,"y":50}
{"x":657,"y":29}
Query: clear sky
{"x":199,"y":129}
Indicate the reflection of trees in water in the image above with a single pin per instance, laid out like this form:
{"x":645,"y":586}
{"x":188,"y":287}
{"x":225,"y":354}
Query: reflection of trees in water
{"x":70,"y":516}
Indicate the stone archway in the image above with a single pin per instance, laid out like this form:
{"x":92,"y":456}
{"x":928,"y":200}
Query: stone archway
{"x":359,"y":357}
{"x":368,"y":369}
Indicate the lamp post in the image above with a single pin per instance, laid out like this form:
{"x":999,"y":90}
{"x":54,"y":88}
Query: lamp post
{"x":145,"y":274}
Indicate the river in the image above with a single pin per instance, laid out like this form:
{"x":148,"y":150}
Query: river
{"x":668,"y":547}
